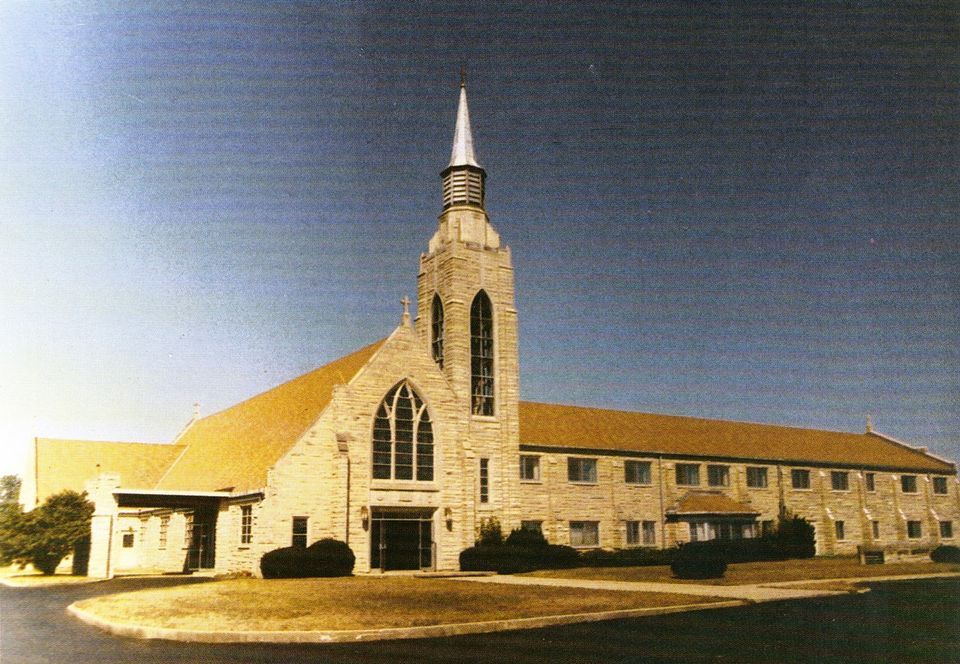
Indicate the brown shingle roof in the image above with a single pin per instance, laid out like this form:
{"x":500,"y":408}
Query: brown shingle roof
{"x":552,"y":425}
{"x":235,"y":447}
{"x":68,"y":464}
{"x":709,"y":502}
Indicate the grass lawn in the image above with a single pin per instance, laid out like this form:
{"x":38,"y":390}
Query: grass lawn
{"x":355,"y":603}
{"x":762,"y":572}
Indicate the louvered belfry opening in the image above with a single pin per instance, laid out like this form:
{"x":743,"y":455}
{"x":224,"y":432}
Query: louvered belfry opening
{"x":463,"y":185}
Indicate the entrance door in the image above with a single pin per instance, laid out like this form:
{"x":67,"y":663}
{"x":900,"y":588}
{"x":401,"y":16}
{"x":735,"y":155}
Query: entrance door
{"x":401,"y":539}
{"x":200,"y":554}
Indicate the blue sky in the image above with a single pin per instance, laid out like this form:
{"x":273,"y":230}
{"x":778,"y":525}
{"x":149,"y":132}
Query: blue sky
{"x":727,"y":210}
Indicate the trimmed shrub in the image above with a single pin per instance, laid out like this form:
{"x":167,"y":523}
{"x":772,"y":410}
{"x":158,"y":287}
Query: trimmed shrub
{"x":326,"y":557}
{"x":531,"y":539}
{"x":794,"y":537}
{"x":626,"y":557}
{"x":945,"y":553}
{"x":698,"y":563}
{"x":513,"y":559}
{"x":743,"y":550}
{"x":490,"y":533}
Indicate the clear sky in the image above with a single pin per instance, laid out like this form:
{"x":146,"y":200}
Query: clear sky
{"x":729,"y":210}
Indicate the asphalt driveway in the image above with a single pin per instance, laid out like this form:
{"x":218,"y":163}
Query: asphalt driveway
{"x":898,"y":622}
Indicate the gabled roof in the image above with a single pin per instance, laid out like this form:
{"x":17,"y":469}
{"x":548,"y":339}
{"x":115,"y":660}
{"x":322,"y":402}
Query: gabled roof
{"x":234,"y":449}
{"x":551,"y":425}
{"x":710,"y":502}
{"x":68,"y":464}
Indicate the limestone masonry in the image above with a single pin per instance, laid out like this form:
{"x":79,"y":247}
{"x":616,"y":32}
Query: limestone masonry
{"x":404,"y":447}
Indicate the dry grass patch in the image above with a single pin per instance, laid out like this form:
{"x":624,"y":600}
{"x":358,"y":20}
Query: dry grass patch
{"x":356,"y":603}
{"x":29,"y":577}
{"x":760,"y":572}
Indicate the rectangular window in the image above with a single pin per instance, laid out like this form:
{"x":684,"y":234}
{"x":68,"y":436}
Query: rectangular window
{"x":584,"y":533}
{"x":702,"y":531}
{"x":870,"y":480}
{"x":756,"y":477}
{"x":529,"y":468}
{"x":766,"y":527}
{"x":908,"y":483}
{"x":128,"y":540}
{"x":299,"y":538}
{"x":637,"y":472}
{"x":914,"y":530}
{"x":940,"y":485}
{"x":246,"y":524}
{"x":839,"y":480}
{"x":535,"y":526}
{"x":876,"y":530}
{"x":946,"y":529}
{"x":688,"y":474}
{"x":633,"y":533}
{"x":840,"y":530}
{"x":484,"y":480}
{"x":581,"y":470}
{"x":188,"y":530}
{"x":718,"y":475}
{"x":649,"y":533}
{"x":800,"y":478}
{"x":164,"y":527}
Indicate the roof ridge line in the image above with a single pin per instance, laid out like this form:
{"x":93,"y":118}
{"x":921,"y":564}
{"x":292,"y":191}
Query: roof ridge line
{"x":694,"y":417}
{"x":925,"y":451}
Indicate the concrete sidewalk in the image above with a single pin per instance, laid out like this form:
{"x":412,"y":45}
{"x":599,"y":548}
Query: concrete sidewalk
{"x":750,"y":593}
{"x":761,"y":592}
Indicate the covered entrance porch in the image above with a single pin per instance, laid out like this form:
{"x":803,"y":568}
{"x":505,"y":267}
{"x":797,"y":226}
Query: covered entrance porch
{"x":402,"y":539}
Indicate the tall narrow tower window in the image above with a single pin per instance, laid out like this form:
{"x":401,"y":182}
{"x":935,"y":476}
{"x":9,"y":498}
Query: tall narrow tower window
{"x":481,"y":355}
{"x":402,"y":437}
{"x":436,"y":330}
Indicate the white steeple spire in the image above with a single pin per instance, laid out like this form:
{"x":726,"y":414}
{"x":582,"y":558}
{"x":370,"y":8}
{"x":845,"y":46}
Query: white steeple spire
{"x":462,"y":154}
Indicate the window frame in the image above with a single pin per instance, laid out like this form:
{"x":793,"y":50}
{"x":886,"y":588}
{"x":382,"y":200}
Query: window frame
{"x":483,"y":477}
{"x":875,"y":528}
{"x":437,"y":329}
{"x":391,"y":442}
{"x":839,"y":480}
{"x":760,"y":479}
{"x":637,"y":478}
{"x":870,"y":482}
{"x":840,"y":530}
{"x":941,"y":480}
{"x":948,"y":532}
{"x":648,"y":533}
{"x":581,"y":463}
{"x":910,"y":480}
{"x":246,"y":525}
{"x":687,"y":468}
{"x":580,"y":526}
{"x":295,"y":535}
{"x":718,"y":471}
{"x":482,"y":356}
{"x":916,"y":525}
{"x":530,"y":462}
{"x":164,"y":532}
{"x":805,"y":484}
{"x":633,"y":533}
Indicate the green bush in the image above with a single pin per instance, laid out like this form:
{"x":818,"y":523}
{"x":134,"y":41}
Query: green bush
{"x":531,"y":539}
{"x":945,"y":553}
{"x":742,"y":550}
{"x":490,"y":532}
{"x":326,"y":557}
{"x":43,"y":536}
{"x":626,"y":557}
{"x":697,"y":562}
{"x":794,"y":537}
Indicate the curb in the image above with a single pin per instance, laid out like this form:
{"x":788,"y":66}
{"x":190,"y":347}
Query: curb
{"x":10,"y":583}
{"x":357,"y":635}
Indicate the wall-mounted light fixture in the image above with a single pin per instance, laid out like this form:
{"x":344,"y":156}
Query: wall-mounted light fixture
{"x":365,"y":517}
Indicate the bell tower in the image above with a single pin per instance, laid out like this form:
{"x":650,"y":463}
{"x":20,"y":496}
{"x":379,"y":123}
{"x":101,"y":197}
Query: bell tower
{"x":467,"y":319}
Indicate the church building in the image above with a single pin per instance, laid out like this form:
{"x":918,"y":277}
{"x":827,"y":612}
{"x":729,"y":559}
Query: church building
{"x":404,"y":447}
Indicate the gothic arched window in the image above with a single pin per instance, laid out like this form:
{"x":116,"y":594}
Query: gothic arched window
{"x":436,"y":330}
{"x":481,"y":355}
{"x":402,"y":437}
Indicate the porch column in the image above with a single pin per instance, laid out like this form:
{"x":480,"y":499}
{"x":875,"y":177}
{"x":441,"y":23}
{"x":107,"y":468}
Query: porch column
{"x":105,"y":513}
